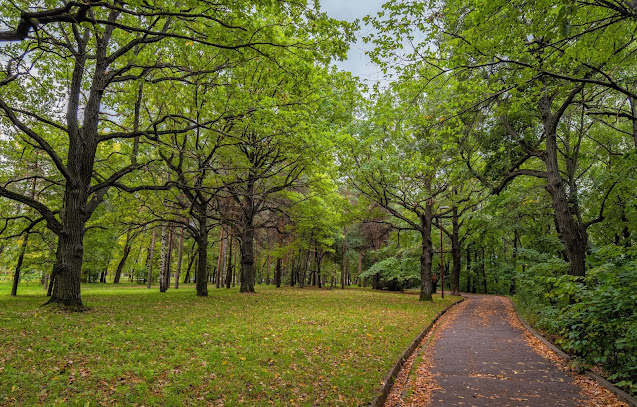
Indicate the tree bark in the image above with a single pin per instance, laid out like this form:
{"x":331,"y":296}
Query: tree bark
{"x":18,"y":267}
{"x":162,"y":256}
{"x":230,"y":262}
{"x":179,"y":256}
{"x":571,"y":229}
{"x":151,"y":256}
{"x":202,"y":250}
{"x":455,"y":253}
{"x":426,"y":257}
{"x":122,"y":262}
{"x":222,"y":254}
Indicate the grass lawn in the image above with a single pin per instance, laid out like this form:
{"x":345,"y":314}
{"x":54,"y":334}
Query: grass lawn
{"x":292,"y":347}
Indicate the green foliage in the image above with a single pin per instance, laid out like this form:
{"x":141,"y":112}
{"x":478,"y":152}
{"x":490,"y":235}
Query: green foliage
{"x":600,"y":326}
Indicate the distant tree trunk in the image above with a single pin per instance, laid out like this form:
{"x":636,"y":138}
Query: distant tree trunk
{"x":151,"y":256}
{"x":344,"y":265}
{"x":375,"y":282}
{"x":277,"y":273}
{"x":360,"y":267}
{"x":267,"y":275}
{"x":318,"y":267}
{"x":193,"y":257}
{"x":484,"y":273}
{"x":202,"y":250}
{"x":162,"y":258}
{"x":222,"y":253}
{"x":122,"y":262}
{"x":179,"y":256}
{"x":18,"y":267}
{"x":516,"y":239}
{"x":169,"y":257}
{"x":455,"y":253}
{"x":468,"y":269}
{"x":230,"y":263}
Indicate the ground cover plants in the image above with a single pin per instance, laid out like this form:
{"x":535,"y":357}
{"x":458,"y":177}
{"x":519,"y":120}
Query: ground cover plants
{"x":140,"y":347}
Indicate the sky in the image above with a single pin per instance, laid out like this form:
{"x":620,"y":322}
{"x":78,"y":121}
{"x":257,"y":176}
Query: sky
{"x":357,"y":62}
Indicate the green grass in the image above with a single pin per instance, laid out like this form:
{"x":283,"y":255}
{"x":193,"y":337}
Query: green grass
{"x":140,"y":347}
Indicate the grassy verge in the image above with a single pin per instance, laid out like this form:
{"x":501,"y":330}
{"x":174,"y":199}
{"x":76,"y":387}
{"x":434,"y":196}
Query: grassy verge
{"x":140,"y":347}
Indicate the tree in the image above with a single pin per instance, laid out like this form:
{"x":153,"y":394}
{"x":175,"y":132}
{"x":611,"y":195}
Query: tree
{"x":98,"y":51}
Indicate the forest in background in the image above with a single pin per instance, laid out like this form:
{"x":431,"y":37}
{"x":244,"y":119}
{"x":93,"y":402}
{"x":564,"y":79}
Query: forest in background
{"x":217,"y":144}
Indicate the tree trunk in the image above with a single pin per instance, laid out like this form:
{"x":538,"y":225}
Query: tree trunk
{"x":484,"y":273}
{"x":179,"y":255}
{"x":202,"y":250}
{"x":344,"y":268}
{"x":360,"y":268}
{"x":455,"y":253}
{"x":70,"y":252}
{"x":267,"y":275}
{"x":18,"y":267}
{"x":571,"y":230}
{"x":151,"y":256}
{"x":248,"y":274}
{"x":122,"y":262}
{"x":468,"y":271}
{"x":427,"y":253}
{"x":162,"y":258}
{"x":222,"y":254}
{"x":230,"y":263}
{"x":277,"y":273}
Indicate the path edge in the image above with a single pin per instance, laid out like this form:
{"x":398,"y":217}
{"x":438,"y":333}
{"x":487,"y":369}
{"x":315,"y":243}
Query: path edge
{"x":619,"y":393}
{"x":389,"y":380}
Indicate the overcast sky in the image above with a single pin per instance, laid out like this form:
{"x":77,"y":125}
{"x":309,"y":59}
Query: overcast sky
{"x":357,"y":62}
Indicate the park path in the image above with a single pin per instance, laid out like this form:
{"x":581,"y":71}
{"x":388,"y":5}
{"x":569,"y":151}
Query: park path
{"x":480,"y":355}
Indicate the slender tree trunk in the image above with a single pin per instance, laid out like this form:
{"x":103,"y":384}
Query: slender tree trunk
{"x":267,"y":275}
{"x":18,"y":267}
{"x":360,"y":268}
{"x":484,"y":273}
{"x":151,"y":256}
{"x":455,"y":253}
{"x":122,"y":262}
{"x":230,"y":263}
{"x":179,"y":256}
{"x":162,"y":258}
{"x":222,"y":253}
{"x":344,"y":265}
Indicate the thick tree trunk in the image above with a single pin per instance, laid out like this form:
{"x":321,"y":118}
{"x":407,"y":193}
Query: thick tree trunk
{"x":18,"y":267}
{"x":468,"y":269}
{"x":427,"y":253}
{"x":202,"y":250}
{"x":571,"y":230}
{"x":70,"y":252}
{"x":455,"y":253}
{"x":248,"y":274}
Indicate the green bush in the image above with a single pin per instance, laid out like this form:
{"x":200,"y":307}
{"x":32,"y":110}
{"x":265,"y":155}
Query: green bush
{"x":600,"y":326}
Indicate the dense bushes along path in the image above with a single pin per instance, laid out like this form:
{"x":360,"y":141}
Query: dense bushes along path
{"x":480,"y":355}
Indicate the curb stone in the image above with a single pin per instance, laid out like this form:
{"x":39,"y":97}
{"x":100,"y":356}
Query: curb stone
{"x":619,"y":393}
{"x":388,"y":382}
